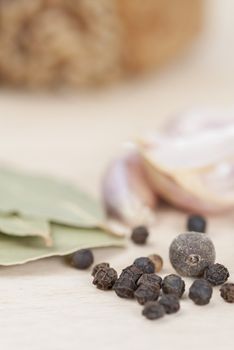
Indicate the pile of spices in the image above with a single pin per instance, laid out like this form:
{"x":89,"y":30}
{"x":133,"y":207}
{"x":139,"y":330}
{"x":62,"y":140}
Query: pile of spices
{"x":191,"y":254}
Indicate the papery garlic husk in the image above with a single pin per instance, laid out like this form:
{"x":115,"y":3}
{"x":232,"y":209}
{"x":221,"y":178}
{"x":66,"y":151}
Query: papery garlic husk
{"x":193,"y":168}
{"x":126,"y":193}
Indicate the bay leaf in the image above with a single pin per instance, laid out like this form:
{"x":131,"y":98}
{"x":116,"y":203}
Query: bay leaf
{"x":48,"y":199}
{"x":21,"y":227}
{"x":66,"y":240}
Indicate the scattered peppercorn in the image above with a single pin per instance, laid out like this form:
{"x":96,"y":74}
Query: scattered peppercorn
{"x":157,"y":261}
{"x":216,"y":274}
{"x":82,"y":259}
{"x":190,"y":254}
{"x":125,"y":288}
{"x":131,"y":272}
{"x":170,"y":302}
{"x":99,"y":266}
{"x":196,"y":223}
{"x":153,"y":310}
{"x":227,"y":292}
{"x":150,"y":278}
{"x":144,"y":264}
{"x":147,"y":292}
{"x":140,"y":235}
{"x":125,"y":285}
{"x":200,"y":292}
{"x":105,"y":278}
{"x":173,"y":284}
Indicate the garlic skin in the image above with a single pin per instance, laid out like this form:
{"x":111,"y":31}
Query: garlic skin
{"x":191,"y":163}
{"x":126,"y":193}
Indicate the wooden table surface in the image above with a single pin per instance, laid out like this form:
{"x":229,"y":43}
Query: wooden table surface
{"x":48,"y":305}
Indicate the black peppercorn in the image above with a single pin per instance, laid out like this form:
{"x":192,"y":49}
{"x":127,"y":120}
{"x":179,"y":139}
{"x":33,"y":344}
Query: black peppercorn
{"x":153,"y":310}
{"x":196,"y":223}
{"x":227,"y":292}
{"x":131,"y":272}
{"x":216,"y":274}
{"x":82,"y":259}
{"x":99,"y":266}
{"x":144,"y":264}
{"x":140,"y":235}
{"x":125,"y":288}
{"x":157,"y":261}
{"x":173,"y":284}
{"x":150,"y":278}
{"x":190,"y":254}
{"x":170,"y":302}
{"x":105,"y":278}
{"x":200,"y":292}
{"x":125,"y":285}
{"x":147,"y":292}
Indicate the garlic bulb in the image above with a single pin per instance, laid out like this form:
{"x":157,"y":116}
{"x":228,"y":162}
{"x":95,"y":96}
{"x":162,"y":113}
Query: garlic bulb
{"x":191,"y":163}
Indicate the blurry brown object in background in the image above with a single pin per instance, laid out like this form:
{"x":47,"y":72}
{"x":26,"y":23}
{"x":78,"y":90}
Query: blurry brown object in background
{"x":49,"y":43}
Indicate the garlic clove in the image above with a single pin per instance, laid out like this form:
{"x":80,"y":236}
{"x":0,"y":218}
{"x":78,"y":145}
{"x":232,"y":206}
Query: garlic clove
{"x":126,"y":193}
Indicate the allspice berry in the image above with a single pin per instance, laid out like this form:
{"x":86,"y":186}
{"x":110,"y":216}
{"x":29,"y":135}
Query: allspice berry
{"x":191,"y":253}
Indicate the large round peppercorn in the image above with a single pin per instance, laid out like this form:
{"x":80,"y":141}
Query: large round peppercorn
{"x":200,"y":292}
{"x":82,"y":259}
{"x":147,"y":292}
{"x":170,"y":302}
{"x":196,"y":223}
{"x":173,"y":284}
{"x":144,"y":264}
{"x":140,"y":235}
{"x":216,"y":274}
{"x":153,"y":310}
{"x":105,"y":278}
{"x":227,"y":292}
{"x":190,"y":254}
{"x":157,"y":261}
{"x":99,"y":266}
{"x":150,"y":278}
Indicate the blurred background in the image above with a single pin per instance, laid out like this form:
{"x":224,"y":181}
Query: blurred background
{"x":183,"y":58}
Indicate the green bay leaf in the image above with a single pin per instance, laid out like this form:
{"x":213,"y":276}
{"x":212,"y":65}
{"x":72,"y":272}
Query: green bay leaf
{"x":48,"y":199}
{"x":22,"y":227}
{"x":66,"y":240}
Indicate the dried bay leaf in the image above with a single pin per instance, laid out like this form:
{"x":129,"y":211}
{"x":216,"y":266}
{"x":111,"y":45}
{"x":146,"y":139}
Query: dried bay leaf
{"x":22,"y":227}
{"x":48,"y":199}
{"x":66,"y":240}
